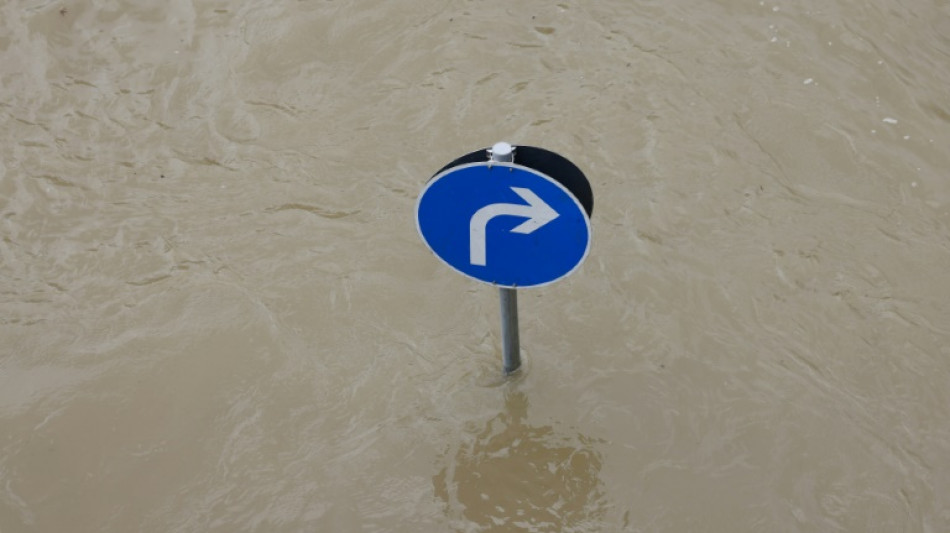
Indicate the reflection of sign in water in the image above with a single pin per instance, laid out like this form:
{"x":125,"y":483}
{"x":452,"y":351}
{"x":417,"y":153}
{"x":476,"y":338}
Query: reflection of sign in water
{"x":516,"y":477}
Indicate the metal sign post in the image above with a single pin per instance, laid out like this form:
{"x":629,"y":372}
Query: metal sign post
{"x":510,"y":349}
{"x":503,"y":152}
{"x":511,"y":220}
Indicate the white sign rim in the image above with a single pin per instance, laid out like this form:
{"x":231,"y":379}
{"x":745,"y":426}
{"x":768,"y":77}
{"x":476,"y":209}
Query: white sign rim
{"x":440,"y":175}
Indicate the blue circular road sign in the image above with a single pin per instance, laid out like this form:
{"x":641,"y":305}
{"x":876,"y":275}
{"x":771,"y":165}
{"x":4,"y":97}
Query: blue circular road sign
{"x":504,"y":223}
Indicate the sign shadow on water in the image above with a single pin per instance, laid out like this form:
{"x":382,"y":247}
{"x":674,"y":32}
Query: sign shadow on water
{"x":508,"y":475}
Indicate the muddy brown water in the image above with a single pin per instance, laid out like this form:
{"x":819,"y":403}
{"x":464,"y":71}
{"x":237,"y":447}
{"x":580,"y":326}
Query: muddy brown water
{"x":216,"y":314}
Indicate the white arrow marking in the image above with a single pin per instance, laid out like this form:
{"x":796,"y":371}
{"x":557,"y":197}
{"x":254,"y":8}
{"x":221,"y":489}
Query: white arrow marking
{"x":537,"y":212}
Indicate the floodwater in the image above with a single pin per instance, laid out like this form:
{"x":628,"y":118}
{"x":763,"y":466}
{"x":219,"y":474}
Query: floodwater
{"x":216,"y":314}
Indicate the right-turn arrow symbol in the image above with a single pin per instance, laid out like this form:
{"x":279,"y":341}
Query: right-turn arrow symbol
{"x":537,"y":212}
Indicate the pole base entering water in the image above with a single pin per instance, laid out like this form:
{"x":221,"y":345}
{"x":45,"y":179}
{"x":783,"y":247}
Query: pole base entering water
{"x":511,"y":353}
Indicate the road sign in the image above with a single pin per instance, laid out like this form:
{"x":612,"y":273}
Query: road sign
{"x":505,"y":223}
